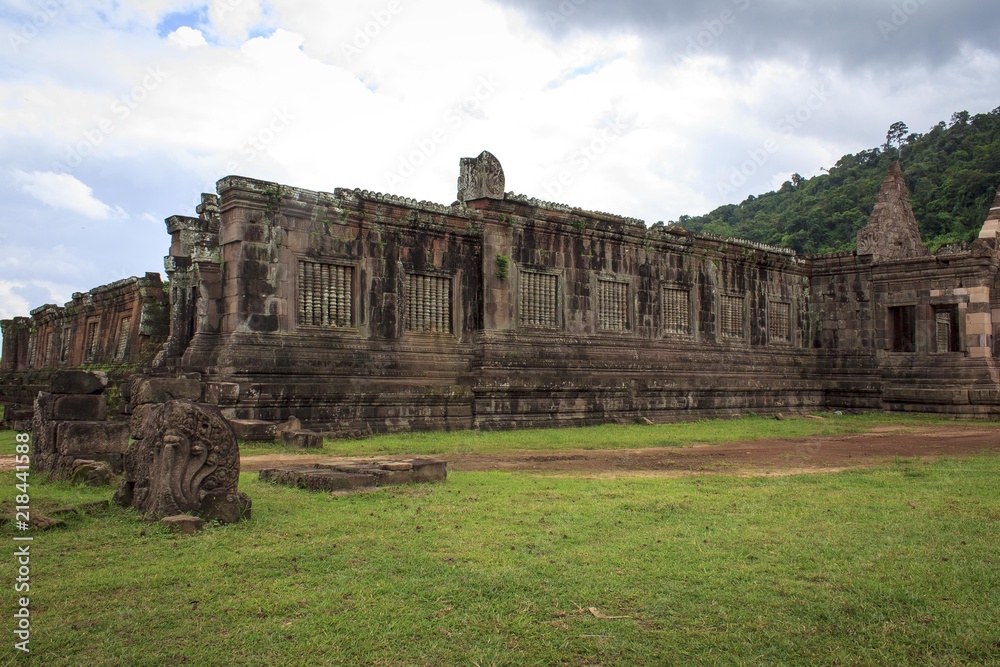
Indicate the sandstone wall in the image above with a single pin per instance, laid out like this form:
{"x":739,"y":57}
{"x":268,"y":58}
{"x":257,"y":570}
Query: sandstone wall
{"x":115,"y":327}
{"x":358,"y":312}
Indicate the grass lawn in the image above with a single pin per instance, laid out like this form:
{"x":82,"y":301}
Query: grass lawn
{"x":614,"y":436}
{"x":896,"y":565}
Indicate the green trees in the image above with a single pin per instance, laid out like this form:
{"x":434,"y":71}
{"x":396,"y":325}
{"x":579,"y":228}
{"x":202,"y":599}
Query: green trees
{"x":952,"y":173}
{"x":897,"y":134}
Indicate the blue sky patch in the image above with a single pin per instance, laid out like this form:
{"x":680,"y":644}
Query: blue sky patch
{"x":175,"y":20}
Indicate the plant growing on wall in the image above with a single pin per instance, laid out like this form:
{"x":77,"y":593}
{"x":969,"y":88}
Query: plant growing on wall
{"x":503,"y":265}
{"x":274,"y":196}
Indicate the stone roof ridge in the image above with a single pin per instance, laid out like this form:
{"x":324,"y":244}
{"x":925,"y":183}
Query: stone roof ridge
{"x":398,"y":200}
{"x":115,"y":285}
{"x":565,"y":208}
{"x":35,"y":312}
{"x":746,"y":243}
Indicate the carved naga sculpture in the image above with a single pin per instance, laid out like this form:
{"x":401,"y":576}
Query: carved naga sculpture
{"x":185,"y":461}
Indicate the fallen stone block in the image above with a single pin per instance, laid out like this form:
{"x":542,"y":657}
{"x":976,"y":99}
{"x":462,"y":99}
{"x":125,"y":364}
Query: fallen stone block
{"x":186,"y":454}
{"x":253,"y":430}
{"x":41,"y":522}
{"x":302,"y":439}
{"x":226,"y":507}
{"x":183,"y":523}
{"x":353,"y":475}
{"x":77,"y":382}
{"x":92,"y":473}
{"x":292,"y":424}
{"x":429,"y":470}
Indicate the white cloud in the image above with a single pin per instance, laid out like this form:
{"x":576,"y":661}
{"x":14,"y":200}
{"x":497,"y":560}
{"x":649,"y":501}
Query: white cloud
{"x":11,"y":304}
{"x":187,"y":38}
{"x":66,"y":192}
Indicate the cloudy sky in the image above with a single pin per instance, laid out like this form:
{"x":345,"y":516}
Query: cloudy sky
{"x":118,"y":113}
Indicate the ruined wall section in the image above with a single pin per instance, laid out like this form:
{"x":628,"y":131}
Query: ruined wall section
{"x":352,"y":310}
{"x":597,"y":319}
{"x":117,"y":327}
{"x":909,"y":335}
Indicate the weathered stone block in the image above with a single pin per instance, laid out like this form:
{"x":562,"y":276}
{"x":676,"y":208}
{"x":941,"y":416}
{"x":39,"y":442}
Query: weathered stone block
{"x":183,"y":523}
{"x":984,"y":396}
{"x":429,"y":470}
{"x":317,"y":478}
{"x":92,"y":473}
{"x":226,"y":507}
{"x":392,"y":477}
{"x":398,"y":466}
{"x":77,"y":382}
{"x":253,"y":430}
{"x":43,"y":434}
{"x":139,"y":419}
{"x":302,"y":439}
{"x":161,"y":390}
{"x":83,"y":440}
{"x":92,"y":407}
{"x":943,"y":396}
{"x":222,"y":393}
{"x":291,"y":424}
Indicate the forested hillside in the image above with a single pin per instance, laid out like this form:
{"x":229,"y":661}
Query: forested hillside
{"x":952,"y":172}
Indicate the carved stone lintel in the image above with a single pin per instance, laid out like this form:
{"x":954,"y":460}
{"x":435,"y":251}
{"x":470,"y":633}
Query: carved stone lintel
{"x":480,"y":178}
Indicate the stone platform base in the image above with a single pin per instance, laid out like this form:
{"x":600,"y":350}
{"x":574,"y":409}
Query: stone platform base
{"x":355,"y":474}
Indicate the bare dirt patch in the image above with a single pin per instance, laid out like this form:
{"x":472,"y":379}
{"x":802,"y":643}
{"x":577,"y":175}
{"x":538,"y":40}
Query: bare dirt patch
{"x":756,"y":457}
{"x":778,"y":456}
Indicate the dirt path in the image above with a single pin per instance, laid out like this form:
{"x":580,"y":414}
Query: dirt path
{"x":758,"y":457}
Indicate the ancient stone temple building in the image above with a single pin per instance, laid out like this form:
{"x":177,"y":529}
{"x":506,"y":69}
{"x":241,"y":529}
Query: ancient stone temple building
{"x":122,"y":324}
{"x":360,"y":312}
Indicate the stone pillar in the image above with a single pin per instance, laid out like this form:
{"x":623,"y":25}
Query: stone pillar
{"x":193,"y":270}
{"x":979,"y":323}
{"x":16,"y":333}
{"x":480,"y":180}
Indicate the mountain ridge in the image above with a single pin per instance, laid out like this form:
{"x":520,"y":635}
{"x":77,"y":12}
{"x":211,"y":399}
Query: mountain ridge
{"x":952,"y":173}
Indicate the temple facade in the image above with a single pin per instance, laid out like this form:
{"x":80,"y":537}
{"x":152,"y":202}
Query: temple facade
{"x":359,"y":312}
